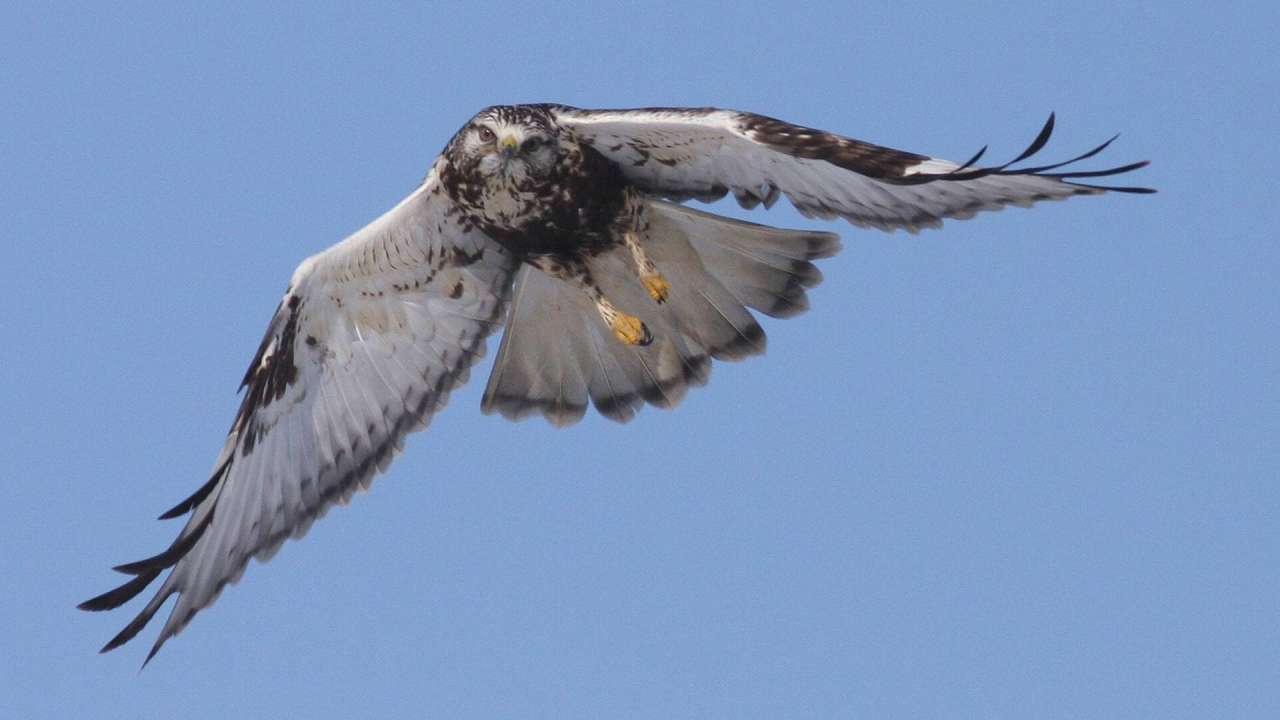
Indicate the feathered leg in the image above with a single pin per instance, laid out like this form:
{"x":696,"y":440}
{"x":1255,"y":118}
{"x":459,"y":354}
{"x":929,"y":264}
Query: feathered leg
{"x":632,"y":226}
{"x":656,"y":285}
{"x":629,"y":329}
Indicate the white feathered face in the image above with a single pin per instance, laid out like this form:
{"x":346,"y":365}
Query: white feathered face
{"x":511,"y":143}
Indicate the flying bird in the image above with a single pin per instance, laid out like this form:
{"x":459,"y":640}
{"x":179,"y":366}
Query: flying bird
{"x":566,"y":225}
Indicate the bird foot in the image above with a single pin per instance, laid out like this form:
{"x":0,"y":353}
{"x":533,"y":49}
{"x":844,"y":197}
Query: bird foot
{"x":630,"y":330}
{"x":658,"y":287}
{"x":627,"y":328}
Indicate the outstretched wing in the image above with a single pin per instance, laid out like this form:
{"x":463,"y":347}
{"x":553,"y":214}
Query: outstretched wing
{"x":705,"y":153}
{"x":369,"y":339}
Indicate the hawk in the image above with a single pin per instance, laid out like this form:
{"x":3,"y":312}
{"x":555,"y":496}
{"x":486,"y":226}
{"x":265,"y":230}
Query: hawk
{"x":566,"y":225}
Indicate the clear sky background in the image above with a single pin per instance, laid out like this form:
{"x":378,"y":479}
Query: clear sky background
{"x":1025,"y":466}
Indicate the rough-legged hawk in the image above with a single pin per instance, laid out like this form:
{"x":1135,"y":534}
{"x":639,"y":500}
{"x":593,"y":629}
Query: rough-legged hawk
{"x":565,"y":224}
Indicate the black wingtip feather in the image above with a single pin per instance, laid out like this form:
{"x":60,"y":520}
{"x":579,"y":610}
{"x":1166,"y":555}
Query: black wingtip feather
{"x":1041,"y":140}
{"x":199,"y":495}
{"x":968,"y":172}
{"x":1084,"y":156}
{"x":1119,"y":189}
{"x":152,"y":653}
{"x":171,"y":554}
{"x":1099,"y":173}
{"x":115,"y":598}
{"x":147,"y":571}
{"x":133,"y":628}
{"x":973,"y":160}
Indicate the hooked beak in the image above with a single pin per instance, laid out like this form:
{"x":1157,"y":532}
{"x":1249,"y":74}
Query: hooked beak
{"x":508,"y":146}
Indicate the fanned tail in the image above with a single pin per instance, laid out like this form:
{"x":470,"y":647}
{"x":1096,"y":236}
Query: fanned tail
{"x":719,"y":269}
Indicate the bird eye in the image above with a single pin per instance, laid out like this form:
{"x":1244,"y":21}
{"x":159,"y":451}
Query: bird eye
{"x":486,"y":135}
{"x":531,"y":144}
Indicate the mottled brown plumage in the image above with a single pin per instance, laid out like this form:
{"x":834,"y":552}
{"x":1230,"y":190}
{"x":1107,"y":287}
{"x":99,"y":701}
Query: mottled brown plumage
{"x":563,"y":207}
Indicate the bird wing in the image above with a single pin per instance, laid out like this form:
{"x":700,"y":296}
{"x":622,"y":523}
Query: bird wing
{"x":705,"y":153}
{"x":365,"y":346}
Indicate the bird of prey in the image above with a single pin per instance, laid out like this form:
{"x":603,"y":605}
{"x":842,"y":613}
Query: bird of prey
{"x":566,"y":225}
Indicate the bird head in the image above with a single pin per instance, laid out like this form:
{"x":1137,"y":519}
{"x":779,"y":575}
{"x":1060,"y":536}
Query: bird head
{"x":514,"y":141}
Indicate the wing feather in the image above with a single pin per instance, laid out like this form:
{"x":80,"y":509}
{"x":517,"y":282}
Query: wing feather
{"x":366,"y":344}
{"x":706,"y":153}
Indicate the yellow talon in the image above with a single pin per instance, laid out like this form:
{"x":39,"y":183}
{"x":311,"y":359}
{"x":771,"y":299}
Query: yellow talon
{"x":627,"y":328}
{"x":658,"y":287}
{"x":630,"y":330}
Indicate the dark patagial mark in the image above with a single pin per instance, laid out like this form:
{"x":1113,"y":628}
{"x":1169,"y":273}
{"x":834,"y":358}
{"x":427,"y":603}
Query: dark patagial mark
{"x":269,"y":375}
{"x":804,"y":142}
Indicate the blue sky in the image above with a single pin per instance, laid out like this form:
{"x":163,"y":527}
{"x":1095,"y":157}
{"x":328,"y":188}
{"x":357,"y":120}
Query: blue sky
{"x":1022,"y":467}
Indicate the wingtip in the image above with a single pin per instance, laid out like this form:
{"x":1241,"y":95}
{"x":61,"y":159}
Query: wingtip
{"x":135,"y":626}
{"x":1036,"y":145}
{"x":115,"y":642}
{"x":1132,"y":190}
{"x":118,"y":596}
{"x":154,"y":649}
{"x":200,"y":494}
{"x":971,"y":161}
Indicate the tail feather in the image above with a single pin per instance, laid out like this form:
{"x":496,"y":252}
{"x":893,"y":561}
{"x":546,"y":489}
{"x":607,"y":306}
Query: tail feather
{"x":767,"y":269}
{"x":557,"y":353}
